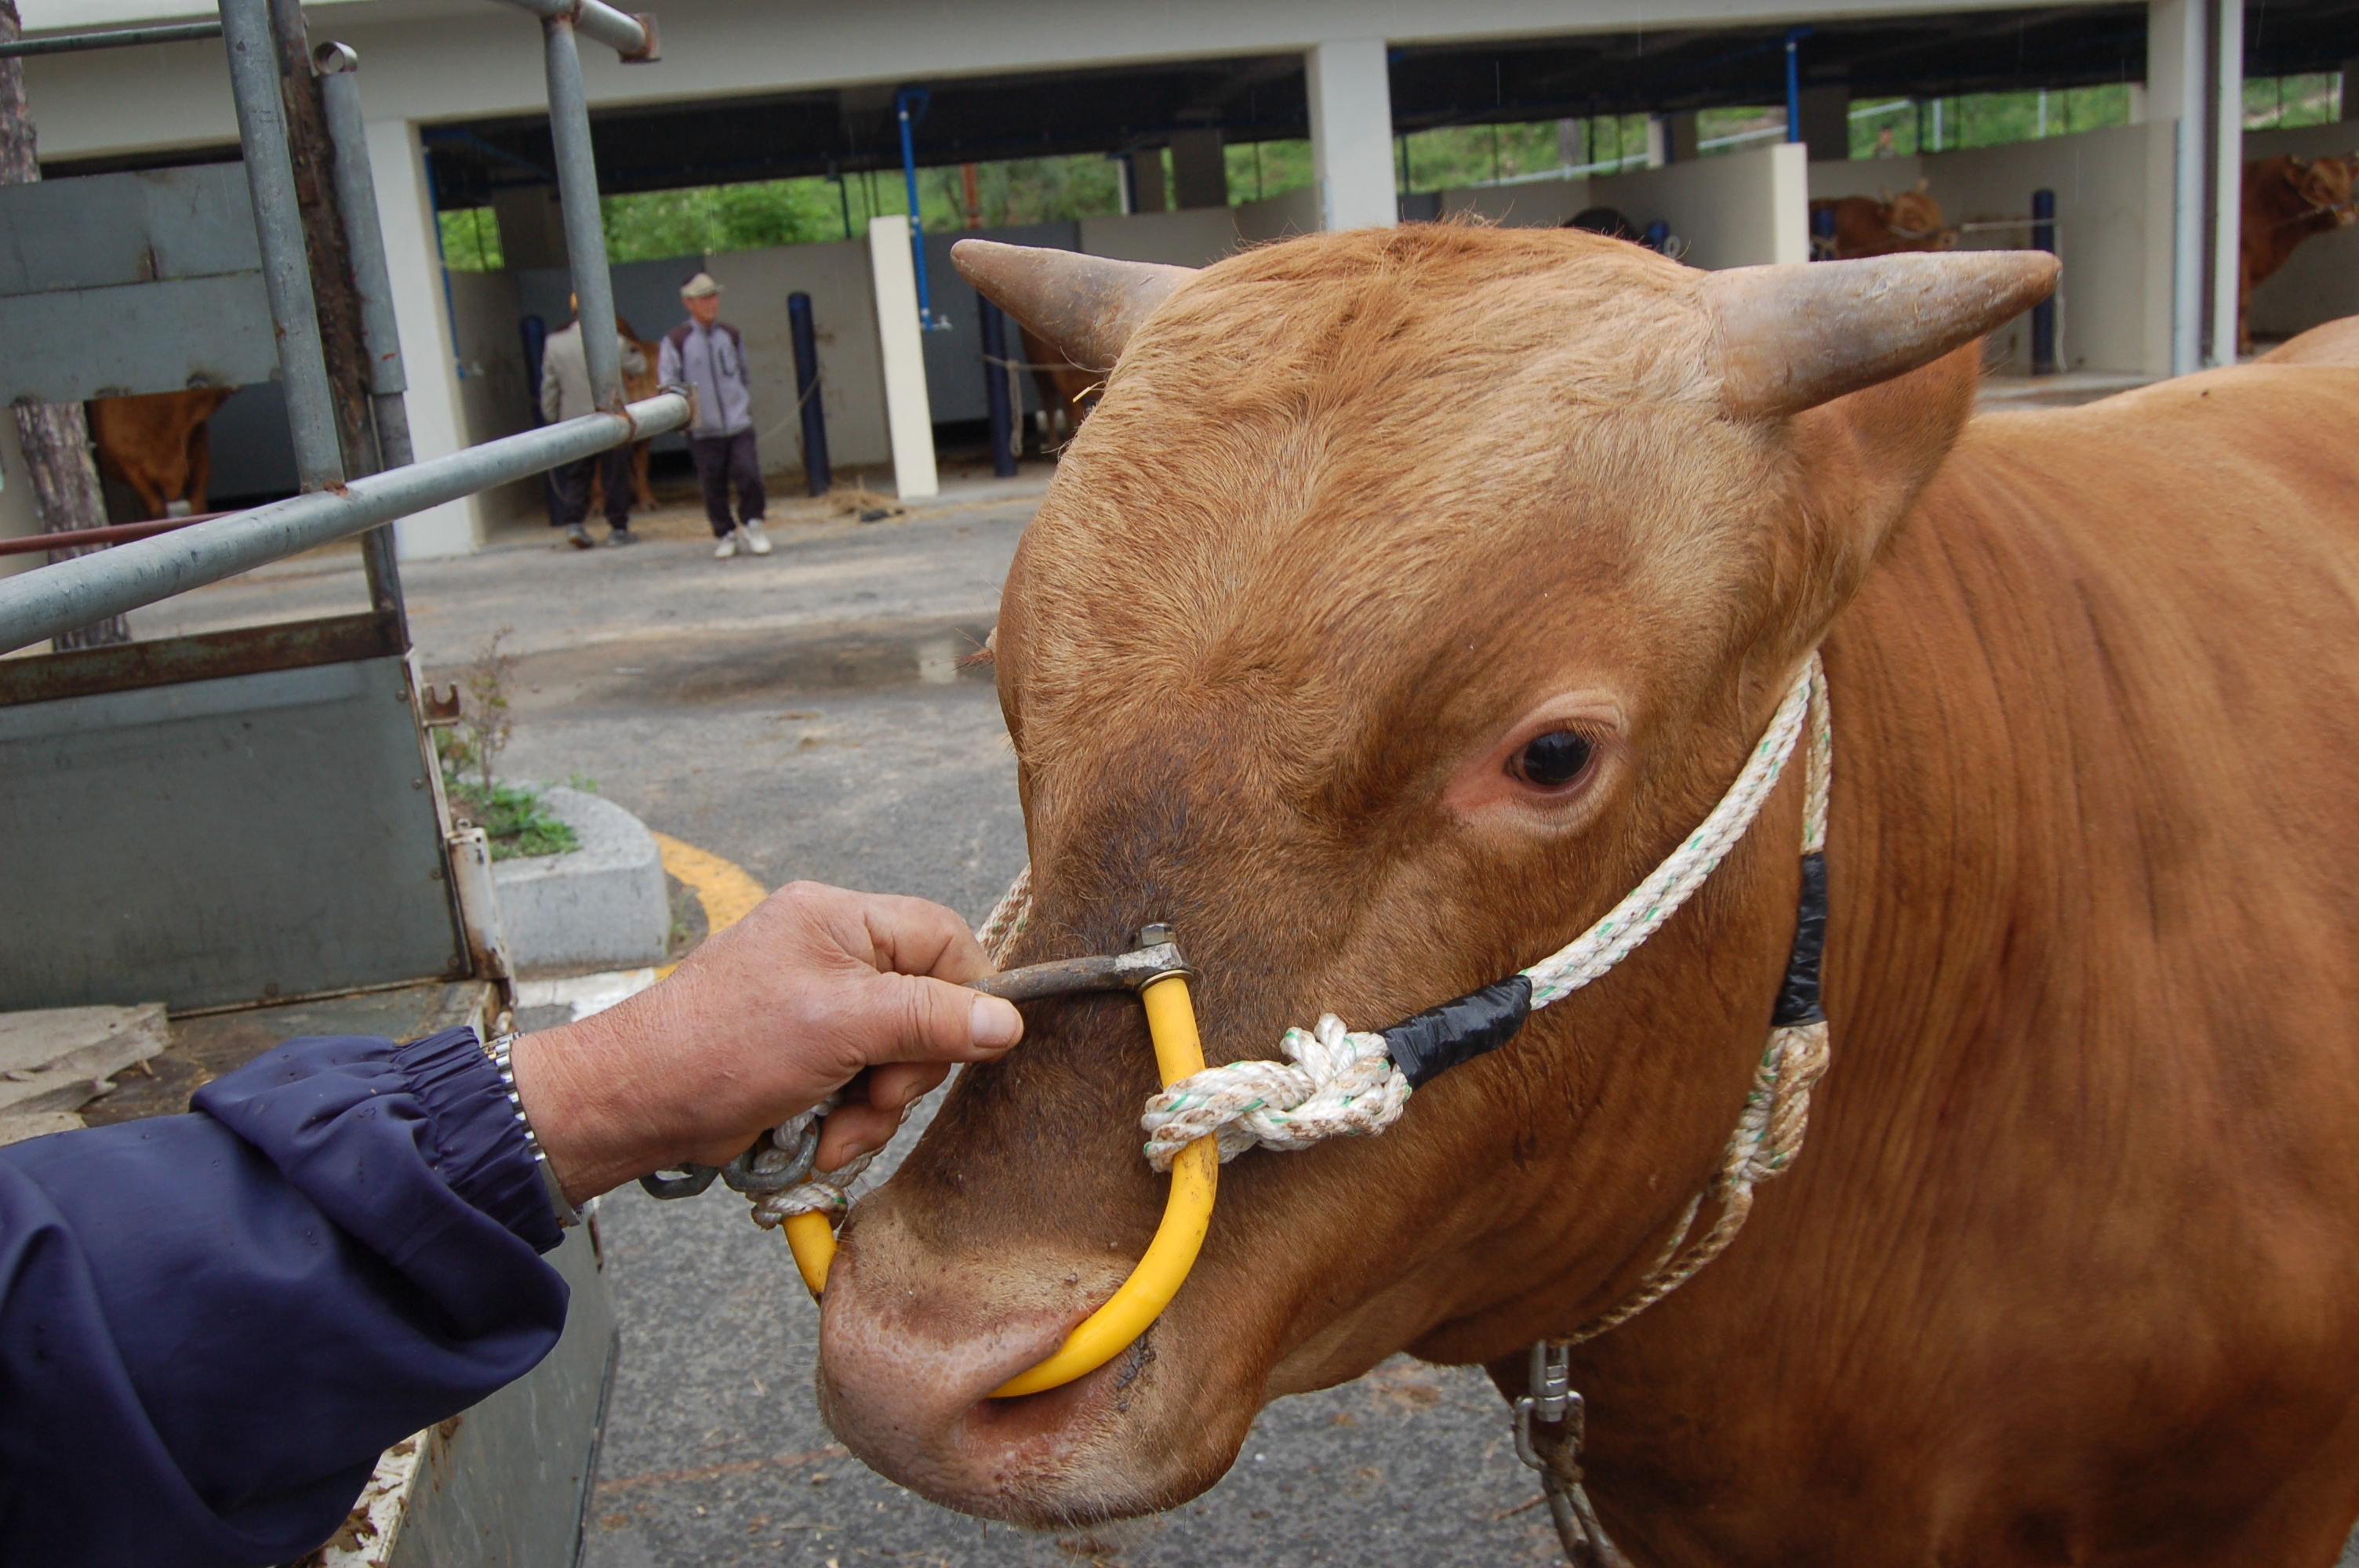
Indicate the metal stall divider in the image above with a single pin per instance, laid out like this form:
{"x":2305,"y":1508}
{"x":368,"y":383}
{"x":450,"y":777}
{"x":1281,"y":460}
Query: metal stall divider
{"x":252,"y":818}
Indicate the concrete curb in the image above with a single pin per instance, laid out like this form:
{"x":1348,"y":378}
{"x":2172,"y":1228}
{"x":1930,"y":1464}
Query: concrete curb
{"x":604,"y":904}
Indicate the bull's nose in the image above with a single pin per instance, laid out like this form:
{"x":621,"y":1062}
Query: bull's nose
{"x":910,"y":1348}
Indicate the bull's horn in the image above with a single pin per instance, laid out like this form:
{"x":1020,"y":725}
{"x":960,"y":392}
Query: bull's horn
{"x":1086,"y":307}
{"x":1791,"y":337}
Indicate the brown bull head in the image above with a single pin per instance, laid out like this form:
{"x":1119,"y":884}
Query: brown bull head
{"x":1361,"y":518}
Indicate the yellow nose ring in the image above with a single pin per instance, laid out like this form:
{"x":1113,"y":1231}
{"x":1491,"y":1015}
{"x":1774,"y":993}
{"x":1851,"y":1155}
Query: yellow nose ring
{"x":1156,"y":970}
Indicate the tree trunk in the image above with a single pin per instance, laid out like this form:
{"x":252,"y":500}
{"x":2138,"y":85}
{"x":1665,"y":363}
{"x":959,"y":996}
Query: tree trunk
{"x":56,"y":438}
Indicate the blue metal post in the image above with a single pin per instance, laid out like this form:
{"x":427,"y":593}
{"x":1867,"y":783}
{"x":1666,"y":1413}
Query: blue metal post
{"x":1793,"y":37}
{"x":902,"y":102}
{"x":2043,"y":315}
{"x":817,"y":472}
{"x":996,"y":378}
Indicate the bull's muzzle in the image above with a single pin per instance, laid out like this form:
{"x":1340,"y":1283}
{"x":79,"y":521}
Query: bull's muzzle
{"x":1155,"y":968}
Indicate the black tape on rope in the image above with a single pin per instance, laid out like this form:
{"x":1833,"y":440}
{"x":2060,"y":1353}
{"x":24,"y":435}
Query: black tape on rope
{"x":1798,"y":999}
{"x":1457,"y":1031}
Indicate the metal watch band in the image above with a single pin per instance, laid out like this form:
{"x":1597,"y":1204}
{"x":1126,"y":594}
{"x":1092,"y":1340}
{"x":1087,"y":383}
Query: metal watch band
{"x":567,"y":1214}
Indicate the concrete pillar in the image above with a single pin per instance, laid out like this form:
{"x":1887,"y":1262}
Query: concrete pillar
{"x":1351,"y":134}
{"x":2195,"y":81}
{"x":414,"y":258}
{"x":908,"y":413}
{"x":2351,"y":90}
{"x":1658,"y":140}
{"x":532,"y":226}
{"x":1147,"y":180}
{"x":1199,"y":169}
{"x":2225,"y":219}
{"x":1680,"y":136}
{"x":1826,"y":123}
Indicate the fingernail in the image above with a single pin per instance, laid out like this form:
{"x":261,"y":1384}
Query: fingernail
{"x":996,"y":1024}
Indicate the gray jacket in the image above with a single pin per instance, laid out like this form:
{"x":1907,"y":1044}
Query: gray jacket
{"x":712,"y":361}
{"x":565,"y":373}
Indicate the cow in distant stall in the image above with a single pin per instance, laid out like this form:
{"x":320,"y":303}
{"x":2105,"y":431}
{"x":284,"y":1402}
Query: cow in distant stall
{"x":2287,"y":200}
{"x":1865,"y":226}
{"x":1068,"y":391}
{"x":157,"y":443}
{"x":635,"y":389}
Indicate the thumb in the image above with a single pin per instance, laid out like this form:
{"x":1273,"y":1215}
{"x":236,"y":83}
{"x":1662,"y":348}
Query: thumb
{"x":919,"y":1019}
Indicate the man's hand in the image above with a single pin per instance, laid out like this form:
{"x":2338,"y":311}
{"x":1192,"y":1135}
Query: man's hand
{"x":817,"y":989}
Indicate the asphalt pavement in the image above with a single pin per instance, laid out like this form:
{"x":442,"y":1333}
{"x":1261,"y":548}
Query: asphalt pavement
{"x":808,"y":714}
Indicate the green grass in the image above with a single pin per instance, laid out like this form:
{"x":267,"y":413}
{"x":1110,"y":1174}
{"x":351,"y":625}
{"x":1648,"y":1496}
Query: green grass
{"x":515,"y":819}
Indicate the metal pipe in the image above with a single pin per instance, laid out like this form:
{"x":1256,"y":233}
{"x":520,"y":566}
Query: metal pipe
{"x":585,"y":231}
{"x":111,"y":534}
{"x":629,"y":35}
{"x":340,"y":98}
{"x":121,"y":37}
{"x":340,"y":92}
{"x":279,"y":227}
{"x":41,"y":604}
{"x":927,"y":320}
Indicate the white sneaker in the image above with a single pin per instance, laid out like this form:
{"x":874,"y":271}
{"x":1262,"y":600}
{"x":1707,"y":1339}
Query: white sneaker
{"x":726,"y":547}
{"x":752,"y":531}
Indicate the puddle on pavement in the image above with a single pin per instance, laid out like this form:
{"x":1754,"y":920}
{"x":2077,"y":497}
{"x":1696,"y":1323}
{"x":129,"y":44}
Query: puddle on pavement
{"x":934,"y":654}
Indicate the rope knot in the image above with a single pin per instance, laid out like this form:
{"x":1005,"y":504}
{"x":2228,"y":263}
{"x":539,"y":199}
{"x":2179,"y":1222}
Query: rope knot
{"x":1335,"y":1081}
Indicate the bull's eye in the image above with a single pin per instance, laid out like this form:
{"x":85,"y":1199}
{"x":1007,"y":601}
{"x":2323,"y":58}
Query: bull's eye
{"x":1554,"y":760}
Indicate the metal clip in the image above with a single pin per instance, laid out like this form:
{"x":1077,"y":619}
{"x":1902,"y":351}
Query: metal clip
{"x":1550,"y":1402}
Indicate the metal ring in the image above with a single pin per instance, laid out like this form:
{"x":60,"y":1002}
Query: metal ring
{"x":697,"y":1178}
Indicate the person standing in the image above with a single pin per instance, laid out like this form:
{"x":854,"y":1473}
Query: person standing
{"x":565,"y":395}
{"x":709,"y":354}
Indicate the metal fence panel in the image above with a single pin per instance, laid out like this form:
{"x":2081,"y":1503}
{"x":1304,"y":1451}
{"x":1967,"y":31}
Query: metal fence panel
{"x":146,"y":337}
{"x":103,"y":229}
{"x":219,"y":840}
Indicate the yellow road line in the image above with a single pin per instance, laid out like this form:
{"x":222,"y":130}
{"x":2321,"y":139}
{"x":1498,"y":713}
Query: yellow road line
{"x":727,"y":890}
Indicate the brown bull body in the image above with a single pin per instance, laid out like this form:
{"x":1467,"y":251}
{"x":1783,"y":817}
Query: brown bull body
{"x":158,"y":443}
{"x":635,"y":389}
{"x":2286,"y":200}
{"x":2064,"y":1274}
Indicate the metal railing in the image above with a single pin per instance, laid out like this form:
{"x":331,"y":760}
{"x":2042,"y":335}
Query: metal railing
{"x":74,"y":592}
{"x":37,"y":604}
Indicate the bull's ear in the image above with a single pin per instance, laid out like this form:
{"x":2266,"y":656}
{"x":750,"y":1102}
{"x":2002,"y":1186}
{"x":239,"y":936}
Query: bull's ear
{"x":1084,"y":306}
{"x":1791,"y":337}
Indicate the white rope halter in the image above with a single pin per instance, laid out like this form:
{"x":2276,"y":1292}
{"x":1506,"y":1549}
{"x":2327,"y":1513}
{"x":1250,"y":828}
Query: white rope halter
{"x":1336,"y":1081}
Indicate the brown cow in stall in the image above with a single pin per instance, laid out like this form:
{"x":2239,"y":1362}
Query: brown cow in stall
{"x":1865,"y":226}
{"x":2065,"y":1274}
{"x":2287,"y":200}
{"x":635,"y":389}
{"x":1068,"y":391}
{"x":158,"y":443}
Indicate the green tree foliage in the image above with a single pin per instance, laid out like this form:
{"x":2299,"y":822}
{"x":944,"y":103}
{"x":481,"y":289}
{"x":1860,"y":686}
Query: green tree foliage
{"x":652,"y":224}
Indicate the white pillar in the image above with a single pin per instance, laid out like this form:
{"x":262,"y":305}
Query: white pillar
{"x":2174,"y":98}
{"x":1351,"y":134}
{"x":2225,"y":239}
{"x":437,"y":425}
{"x":909,"y":414}
{"x":1658,"y":140}
{"x":2195,"y":81}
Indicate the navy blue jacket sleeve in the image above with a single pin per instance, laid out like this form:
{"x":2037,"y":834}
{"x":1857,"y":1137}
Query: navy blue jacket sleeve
{"x":211,"y":1324}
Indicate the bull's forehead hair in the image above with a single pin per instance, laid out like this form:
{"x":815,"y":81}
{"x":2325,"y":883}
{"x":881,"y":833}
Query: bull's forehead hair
{"x":1317,"y":456}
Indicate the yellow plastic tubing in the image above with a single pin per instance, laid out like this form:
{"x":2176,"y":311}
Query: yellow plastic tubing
{"x":1187,"y":1215}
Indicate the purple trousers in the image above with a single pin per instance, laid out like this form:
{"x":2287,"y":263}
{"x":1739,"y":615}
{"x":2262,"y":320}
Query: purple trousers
{"x":722,"y":460}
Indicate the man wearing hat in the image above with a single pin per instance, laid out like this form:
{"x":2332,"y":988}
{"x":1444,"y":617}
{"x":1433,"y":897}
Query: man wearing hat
{"x":565,"y":395}
{"x":709,"y":354}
